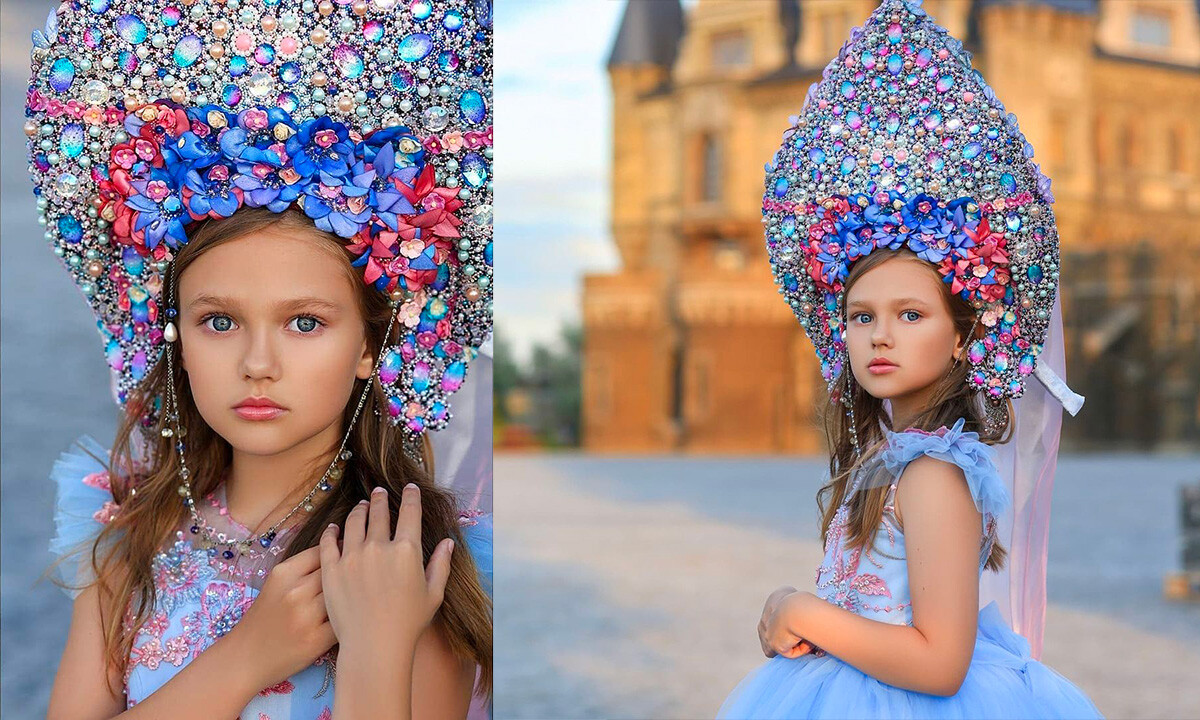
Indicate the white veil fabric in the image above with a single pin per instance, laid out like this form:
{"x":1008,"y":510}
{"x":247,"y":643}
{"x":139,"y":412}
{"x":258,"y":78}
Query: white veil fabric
{"x":1027,"y":464}
{"x":462,"y":451}
{"x":462,"y":458}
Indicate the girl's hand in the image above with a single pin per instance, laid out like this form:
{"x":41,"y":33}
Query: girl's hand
{"x":378,"y":591}
{"x":769,"y":610}
{"x":286,"y":628}
{"x":776,"y":635}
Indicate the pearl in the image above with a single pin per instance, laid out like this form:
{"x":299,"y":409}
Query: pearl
{"x":170,"y":334}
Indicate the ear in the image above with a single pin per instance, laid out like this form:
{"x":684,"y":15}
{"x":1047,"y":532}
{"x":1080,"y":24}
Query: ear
{"x":366,"y":363}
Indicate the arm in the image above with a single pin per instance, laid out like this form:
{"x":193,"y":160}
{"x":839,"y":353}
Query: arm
{"x":941,"y":533}
{"x":81,"y":693}
{"x":431,"y":681}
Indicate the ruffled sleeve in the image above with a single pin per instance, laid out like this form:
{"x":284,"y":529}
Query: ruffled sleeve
{"x":476,"y":529}
{"x":83,"y":505}
{"x":952,"y":445}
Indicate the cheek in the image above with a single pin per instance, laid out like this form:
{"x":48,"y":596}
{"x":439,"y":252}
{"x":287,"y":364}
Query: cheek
{"x":325,"y":370}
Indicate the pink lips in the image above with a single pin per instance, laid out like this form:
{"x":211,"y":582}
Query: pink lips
{"x":258,"y":409}
{"x":881,"y":366}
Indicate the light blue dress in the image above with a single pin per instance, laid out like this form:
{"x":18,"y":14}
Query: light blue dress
{"x":1003,"y":681}
{"x":200,"y":596}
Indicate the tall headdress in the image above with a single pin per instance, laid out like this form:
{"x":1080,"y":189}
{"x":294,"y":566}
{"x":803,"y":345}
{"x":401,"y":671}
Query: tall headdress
{"x":902,"y":144}
{"x":373,"y":117}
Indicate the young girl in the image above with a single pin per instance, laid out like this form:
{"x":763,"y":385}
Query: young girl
{"x":238,"y":555}
{"x":914,"y":240}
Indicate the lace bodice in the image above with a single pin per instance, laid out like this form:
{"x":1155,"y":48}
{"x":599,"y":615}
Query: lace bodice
{"x":873,"y":582}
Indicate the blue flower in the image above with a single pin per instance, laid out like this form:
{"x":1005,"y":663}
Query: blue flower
{"x":380,"y":178}
{"x":321,"y":145}
{"x":251,"y":140}
{"x":833,"y":263}
{"x":406,"y":146}
{"x":267,"y":186}
{"x":921,"y":213}
{"x":159,"y":208}
{"x":209,"y":193}
{"x":199,"y":147}
{"x":336,"y":205}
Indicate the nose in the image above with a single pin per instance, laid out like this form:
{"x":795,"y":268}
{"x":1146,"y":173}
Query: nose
{"x":260,"y":358}
{"x":881,"y":333}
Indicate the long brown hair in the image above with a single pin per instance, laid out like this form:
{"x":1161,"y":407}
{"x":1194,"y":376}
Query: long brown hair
{"x":150,"y":507}
{"x":952,"y":399}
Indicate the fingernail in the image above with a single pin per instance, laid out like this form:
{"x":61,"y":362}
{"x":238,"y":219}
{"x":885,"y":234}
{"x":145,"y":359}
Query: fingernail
{"x":378,"y":490}
{"x":411,"y":486}
{"x":451,"y":547}
{"x":362,"y":502}
{"x":330,"y":526}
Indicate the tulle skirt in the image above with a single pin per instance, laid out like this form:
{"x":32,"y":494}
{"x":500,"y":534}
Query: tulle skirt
{"x":1003,"y":681}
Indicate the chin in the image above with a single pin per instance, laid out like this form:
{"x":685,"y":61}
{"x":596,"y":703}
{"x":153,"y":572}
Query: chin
{"x":256,"y":438}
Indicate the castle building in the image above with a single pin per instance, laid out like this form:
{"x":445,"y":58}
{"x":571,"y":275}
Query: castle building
{"x":688,"y":346}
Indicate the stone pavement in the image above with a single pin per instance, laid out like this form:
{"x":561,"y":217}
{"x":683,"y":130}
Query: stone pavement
{"x":631,"y":588}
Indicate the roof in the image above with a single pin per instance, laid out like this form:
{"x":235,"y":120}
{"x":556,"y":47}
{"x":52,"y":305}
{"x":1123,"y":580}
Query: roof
{"x":649,"y":34}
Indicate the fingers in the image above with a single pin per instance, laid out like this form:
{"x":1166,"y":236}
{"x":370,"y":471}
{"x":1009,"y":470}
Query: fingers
{"x":328,"y":547}
{"x":379,"y":524}
{"x":310,"y":584}
{"x":408,"y":524}
{"x":438,"y":571}
{"x":356,"y":527}
{"x":303,"y":562}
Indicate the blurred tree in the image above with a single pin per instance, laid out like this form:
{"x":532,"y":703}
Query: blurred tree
{"x":505,"y":376}
{"x":555,"y":378}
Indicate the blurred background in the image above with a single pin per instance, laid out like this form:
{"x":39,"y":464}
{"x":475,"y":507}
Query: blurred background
{"x":657,"y":451}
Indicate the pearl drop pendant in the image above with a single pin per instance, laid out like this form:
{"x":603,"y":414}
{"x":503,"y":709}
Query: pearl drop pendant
{"x":170,"y":334}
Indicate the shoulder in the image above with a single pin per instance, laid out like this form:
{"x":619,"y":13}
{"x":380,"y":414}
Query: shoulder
{"x":945,"y":456}
{"x":933,"y":487}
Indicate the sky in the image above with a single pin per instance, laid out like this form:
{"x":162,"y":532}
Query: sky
{"x":553,"y":149}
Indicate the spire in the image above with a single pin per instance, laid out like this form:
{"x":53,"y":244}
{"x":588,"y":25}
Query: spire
{"x":650,"y":33}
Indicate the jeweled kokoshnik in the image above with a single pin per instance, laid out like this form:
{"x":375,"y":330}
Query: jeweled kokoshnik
{"x":374,"y":118}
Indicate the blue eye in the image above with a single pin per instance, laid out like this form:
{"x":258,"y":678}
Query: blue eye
{"x":906,"y":313}
{"x":306,"y":324}
{"x":857,"y":316}
{"x":219,"y":323}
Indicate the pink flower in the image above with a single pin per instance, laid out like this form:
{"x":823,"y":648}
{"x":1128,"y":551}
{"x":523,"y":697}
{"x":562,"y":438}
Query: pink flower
{"x":433,"y":145}
{"x":453,"y":141}
{"x":412,"y":248}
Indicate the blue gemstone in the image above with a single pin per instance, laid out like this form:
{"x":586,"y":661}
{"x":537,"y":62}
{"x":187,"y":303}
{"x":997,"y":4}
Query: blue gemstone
{"x":195,"y":529}
{"x":62,"y":74}
{"x":415,"y":47}
{"x":187,"y":51}
{"x":473,"y":106}
{"x":264,"y":541}
{"x":228,"y":554}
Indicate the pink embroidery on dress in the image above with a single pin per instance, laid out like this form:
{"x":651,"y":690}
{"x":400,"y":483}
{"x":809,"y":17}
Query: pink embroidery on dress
{"x":106,"y":513}
{"x":281,"y":688}
{"x":98,"y":480}
{"x":326,"y":714}
{"x":152,"y":652}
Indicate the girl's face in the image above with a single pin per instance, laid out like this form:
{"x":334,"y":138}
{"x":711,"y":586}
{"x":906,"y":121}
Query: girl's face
{"x":899,"y":333}
{"x":271,"y":318}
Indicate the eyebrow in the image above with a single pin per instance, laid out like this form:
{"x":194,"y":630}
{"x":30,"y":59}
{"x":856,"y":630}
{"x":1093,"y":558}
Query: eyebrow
{"x":896,"y":303}
{"x":290,"y":304}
